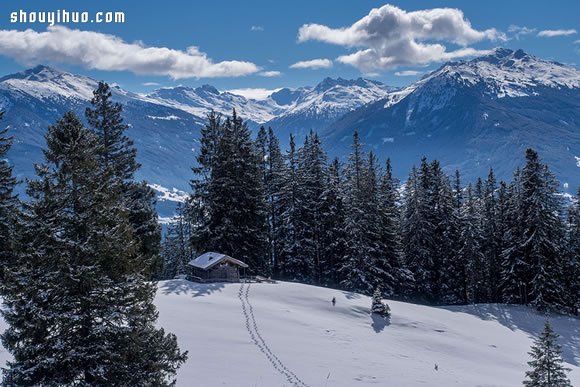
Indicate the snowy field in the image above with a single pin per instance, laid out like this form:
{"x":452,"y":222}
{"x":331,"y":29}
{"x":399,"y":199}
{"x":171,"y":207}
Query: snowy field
{"x":285,"y":334}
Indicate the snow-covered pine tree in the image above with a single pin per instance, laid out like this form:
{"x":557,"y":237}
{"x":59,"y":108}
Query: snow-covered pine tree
{"x":294,"y":264}
{"x":471,"y":253}
{"x":547,"y":364}
{"x":396,"y":277}
{"x":176,"y":247}
{"x":416,"y":232}
{"x":515,"y":272}
{"x":455,"y":273}
{"x":118,"y":154}
{"x":231,"y":197}
{"x":274,"y":180}
{"x":572,"y":264}
{"x":312,"y":174}
{"x":543,"y":234}
{"x":78,"y":308}
{"x":8,"y":206}
{"x":446,"y":231}
{"x":491,"y":238}
{"x":333,"y":221}
{"x":359,"y":270}
{"x":378,"y":306}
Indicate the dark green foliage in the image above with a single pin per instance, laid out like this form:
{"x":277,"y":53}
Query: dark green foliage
{"x":78,"y":307}
{"x":118,"y":156}
{"x":228,"y":199}
{"x":8,"y":206}
{"x":177,"y":249}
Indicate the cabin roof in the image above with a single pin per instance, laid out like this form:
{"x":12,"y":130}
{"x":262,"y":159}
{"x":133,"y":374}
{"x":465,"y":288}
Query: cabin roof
{"x":207,"y":260}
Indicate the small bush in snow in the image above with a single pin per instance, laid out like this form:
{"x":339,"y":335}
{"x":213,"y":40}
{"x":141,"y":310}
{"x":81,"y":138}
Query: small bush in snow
{"x":378,"y":306}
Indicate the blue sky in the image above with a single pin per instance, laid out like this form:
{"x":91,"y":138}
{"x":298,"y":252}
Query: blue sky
{"x":265,"y":38}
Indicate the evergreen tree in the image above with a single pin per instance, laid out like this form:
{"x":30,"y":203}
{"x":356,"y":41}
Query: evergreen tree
{"x":294,"y":262}
{"x":118,"y":154}
{"x":571,"y":267}
{"x":312,"y":175}
{"x":492,"y":238}
{"x":446,"y":230}
{"x":419,"y":226}
{"x":547,"y":364}
{"x":456,"y":265}
{"x":378,"y":306}
{"x":515,"y":270}
{"x":177,"y":250}
{"x":230,"y":199}
{"x":540,"y":210}
{"x":395,"y":277}
{"x":471,"y":253}
{"x":274,"y":180}
{"x":8,"y":206}
{"x":78,"y":307}
{"x":359,"y":270}
{"x":333,"y":224}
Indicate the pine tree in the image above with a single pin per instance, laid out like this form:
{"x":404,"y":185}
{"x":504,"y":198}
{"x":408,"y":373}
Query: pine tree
{"x":571,"y":267}
{"x":118,"y":154}
{"x":540,"y":210}
{"x":446,"y":231}
{"x":312,"y":175}
{"x":78,"y":307}
{"x":177,"y":250}
{"x":378,"y":306}
{"x":395,"y":275}
{"x":456,"y":265}
{"x":418,"y":231}
{"x":492,"y":238}
{"x":471,"y":253}
{"x":515,"y":271}
{"x":360,"y":253}
{"x":547,"y":364}
{"x":333,"y":223}
{"x":8,"y":206}
{"x":230,"y":198}
{"x":294,"y":263}
{"x":276,"y":172}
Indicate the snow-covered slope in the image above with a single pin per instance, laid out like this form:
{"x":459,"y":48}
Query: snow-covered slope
{"x":314,"y":108}
{"x":289,"y":334}
{"x":199,"y":101}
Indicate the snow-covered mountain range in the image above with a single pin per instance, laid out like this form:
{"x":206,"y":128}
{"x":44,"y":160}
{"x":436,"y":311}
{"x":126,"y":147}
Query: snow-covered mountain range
{"x":476,"y":114}
{"x":473,"y":114}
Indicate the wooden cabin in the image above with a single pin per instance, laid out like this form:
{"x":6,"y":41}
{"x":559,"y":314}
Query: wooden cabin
{"x":216,"y":267}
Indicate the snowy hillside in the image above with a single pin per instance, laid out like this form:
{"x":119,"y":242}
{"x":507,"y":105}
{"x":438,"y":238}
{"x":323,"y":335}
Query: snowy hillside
{"x":290,"y":335}
{"x":317,"y":107}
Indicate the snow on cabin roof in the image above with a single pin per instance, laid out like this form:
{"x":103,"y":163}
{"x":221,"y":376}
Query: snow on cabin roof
{"x":210,"y":259}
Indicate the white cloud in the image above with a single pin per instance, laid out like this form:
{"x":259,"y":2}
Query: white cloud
{"x":312,"y":64}
{"x":270,"y":74}
{"x":253,"y":93}
{"x":553,"y":33}
{"x":389,"y":37}
{"x":577,"y":41}
{"x":519,"y":31}
{"x":95,"y":50}
{"x":257,"y":28}
{"x":408,"y":73}
{"x":150,"y":84}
